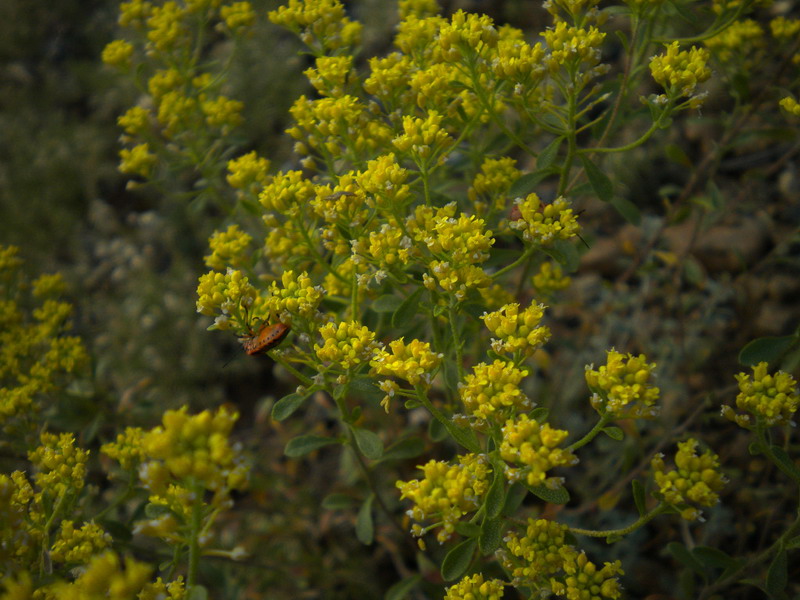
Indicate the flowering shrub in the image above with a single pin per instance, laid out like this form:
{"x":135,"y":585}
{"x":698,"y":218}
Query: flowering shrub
{"x":403,"y":272}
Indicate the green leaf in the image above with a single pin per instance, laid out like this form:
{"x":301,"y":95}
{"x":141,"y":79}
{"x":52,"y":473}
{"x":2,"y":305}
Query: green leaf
{"x":457,"y":561}
{"x":401,"y":589}
{"x":793,"y":543}
{"x":154,"y":511}
{"x":683,"y":556}
{"x":119,"y":531}
{"x":407,"y":448}
{"x":627,"y":209}
{"x":714,"y":558}
{"x":527,"y":184}
{"x":766,"y":349}
{"x":777,"y":575}
{"x":491,"y":536}
{"x":197,"y":592}
{"x":600,"y":182}
{"x":388,"y":303}
{"x":365,"y":529}
{"x":639,"y":496}
{"x":337,"y":502}
{"x":558,"y":496}
{"x":436,"y":431}
{"x":548,"y":156}
{"x":496,"y":497}
{"x":467,"y":529}
{"x":569,"y":252}
{"x":408,"y":309}
{"x":514,"y":497}
{"x":789,"y":466}
{"x":676,"y":154}
{"x":365,"y":387}
{"x":284,"y":407}
{"x":539,"y":414}
{"x":304,"y":444}
{"x":615,"y":433}
{"x":369,"y":442}
{"x":623,"y":39}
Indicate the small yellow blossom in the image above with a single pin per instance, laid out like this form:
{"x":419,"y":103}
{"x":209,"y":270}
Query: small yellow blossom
{"x":418,"y":8}
{"x":781,"y":27}
{"x":118,"y":54}
{"x":542,"y":223}
{"x":296,"y":297}
{"x":287,"y":193}
{"x":447,"y":492}
{"x":584,"y":580}
{"x":127,"y":449}
{"x":493,"y":183}
{"x":238,"y":16}
{"x":228,"y":248}
{"x":390,"y":388}
{"x":224,"y":293}
{"x":790,"y":105}
{"x":622,"y":387}
{"x":137,"y":160}
{"x":534,"y":446}
{"x":61,"y":466}
{"x":135,"y":13}
{"x":248,"y":172}
{"x":538,"y":554}
{"x":414,"y":362}
{"x":679,"y":71}
{"x":168,"y":31}
{"x":321,"y":24}
{"x":492,"y":393}
{"x":222,"y":113}
{"x":163,"y":81}
{"x":134,"y":121}
{"x":48,"y":285}
{"x":77,"y":546}
{"x":771,"y":399}
{"x":346,"y":344}
{"x":466,"y":33}
{"x":105,"y":577}
{"x":573,"y":45}
{"x":330,"y":74}
{"x":423,"y":139}
{"x":739,"y":40}
{"x":516,"y":331}
{"x":695,"y":479}
{"x":475,"y":587}
{"x":550,"y":279}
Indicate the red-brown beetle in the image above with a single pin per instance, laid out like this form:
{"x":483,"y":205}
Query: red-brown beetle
{"x":268,"y":337}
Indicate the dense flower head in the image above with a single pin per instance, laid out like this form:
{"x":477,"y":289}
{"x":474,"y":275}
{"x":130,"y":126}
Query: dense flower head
{"x":695,"y":479}
{"x":77,"y":546}
{"x":740,"y":39}
{"x":127,"y":449}
{"x":583,"y":579}
{"x":224,"y":293}
{"x":456,"y":280}
{"x":287,"y":193}
{"x":248,"y":172}
{"x":388,"y":247}
{"x":623,"y":386}
{"x":330,"y":74}
{"x":534,"y":447}
{"x":542,"y":223}
{"x":321,"y":24}
{"x":385,"y":180}
{"x":134,"y":13}
{"x":388,"y":79}
{"x":790,"y":105}
{"x":466,"y":33}
{"x":297,"y":296}
{"x":228,"y":248}
{"x":571,"y":45}
{"x":415,"y":362}
{"x":196,"y":447}
{"x":447,"y":492}
{"x":61,"y":466}
{"x":475,"y":587}
{"x":238,"y":15}
{"x":515,"y":330}
{"x":538,"y":554}
{"x":417,"y":37}
{"x":348,"y":344}
{"x":771,"y":398}
{"x":418,"y":8}
{"x":781,"y":27}
{"x":423,"y":139}
{"x":138,"y":160}
{"x":520,"y":63}
{"x":135,"y":120}
{"x":222,"y":113}
{"x":118,"y":53}
{"x":463,"y":240}
{"x":106,"y":576}
{"x":550,"y":279}
{"x":492,"y":393}
{"x":493,"y":183}
{"x":679,"y":71}
{"x":16,"y":538}
{"x":168,"y":30}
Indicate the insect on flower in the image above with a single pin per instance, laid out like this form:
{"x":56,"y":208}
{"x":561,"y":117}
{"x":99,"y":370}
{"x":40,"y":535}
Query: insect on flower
{"x":268,"y":336}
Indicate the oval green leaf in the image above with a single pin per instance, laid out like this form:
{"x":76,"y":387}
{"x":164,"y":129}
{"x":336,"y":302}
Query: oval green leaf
{"x":364,"y":527}
{"x":491,"y":536}
{"x":284,"y":407}
{"x":599,"y":181}
{"x":369,"y":443}
{"x":559,"y":496}
{"x":401,"y":589}
{"x":408,"y":309}
{"x":457,"y":561}
{"x":304,"y":444}
{"x":766,"y":349}
{"x":407,"y":448}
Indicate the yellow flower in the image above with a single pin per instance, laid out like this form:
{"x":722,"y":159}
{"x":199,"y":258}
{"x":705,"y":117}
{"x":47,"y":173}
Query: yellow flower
{"x":346,"y":344}
{"x":228,"y":248}
{"x":492,"y":393}
{"x":516,"y":331}
{"x":550,"y":279}
{"x":137,"y":160}
{"x":474,"y":587}
{"x":118,"y":54}
{"x":771,"y":399}
{"x":414,"y":362}
{"x":329,"y":75}
{"x":538,"y":554}
{"x":77,"y":546}
{"x":679,"y":71}
{"x":321,"y":24}
{"x":61,"y":466}
{"x":248,"y":172}
{"x":790,"y":105}
{"x":238,"y":16}
{"x":297,"y":297}
{"x":127,"y":449}
{"x":695,"y":479}
{"x":542,"y":223}
{"x":622,"y":387}
{"x":534,"y":446}
{"x":224,"y":293}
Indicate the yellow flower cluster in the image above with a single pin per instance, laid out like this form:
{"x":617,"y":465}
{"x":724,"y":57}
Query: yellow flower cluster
{"x":492,"y":393}
{"x":167,"y":32}
{"x":517,"y":331}
{"x":782,"y":27}
{"x":346,"y":344}
{"x":106,"y":577}
{"x":415,"y":362}
{"x":134,"y":121}
{"x":224,"y":293}
{"x":741,"y":39}
{"x":137,"y":160}
{"x":679,"y":71}
{"x":228,"y":248}
{"x":771,"y":399}
{"x":118,"y":54}
{"x":424,"y":140}
{"x":534,"y":446}
{"x":446,"y":493}
{"x":622,"y":387}
{"x":238,"y":16}
{"x":538,"y":554}
{"x":16,"y":538}
{"x":329,"y":74}
{"x":249,"y":172}
{"x":287,"y":193}
{"x":77,"y":546}
{"x":127,"y":450}
{"x":388,"y":247}
{"x":790,"y":105}
{"x":550,"y":279}
{"x":385,"y":179}
{"x":61,"y":466}
{"x":475,"y":587}
{"x":417,"y":8}
{"x":696,"y":479}
{"x":569,"y":46}
{"x":321,"y":24}
{"x":466,"y":34}
{"x":542,"y":223}
{"x":583,"y":579}
{"x":492,"y":184}
{"x":193,"y":448}
{"x":521,"y":64}
{"x":296,"y":297}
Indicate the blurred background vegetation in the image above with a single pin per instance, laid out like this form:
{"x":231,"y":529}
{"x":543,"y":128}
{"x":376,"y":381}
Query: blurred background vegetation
{"x":724,"y":269}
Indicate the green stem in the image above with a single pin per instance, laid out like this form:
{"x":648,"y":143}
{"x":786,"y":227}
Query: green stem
{"x":635,"y":144}
{"x":525,"y":256}
{"x":645,"y":518}
{"x":604,"y":420}
{"x":451,"y":315}
{"x":194,"y":537}
{"x":766,"y":448}
{"x":464,"y":437}
{"x":285,"y":364}
{"x":572,"y":147}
